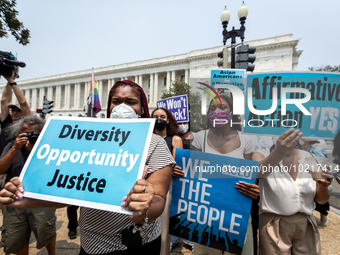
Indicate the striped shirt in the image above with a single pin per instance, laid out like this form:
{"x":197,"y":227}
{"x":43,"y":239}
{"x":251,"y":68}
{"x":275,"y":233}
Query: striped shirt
{"x":100,"y":231}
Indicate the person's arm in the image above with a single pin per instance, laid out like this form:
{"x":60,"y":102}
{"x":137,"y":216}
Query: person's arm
{"x":12,"y":196}
{"x":153,"y":200}
{"x":322,"y":193}
{"x":286,"y":142}
{"x":6,"y":160}
{"x":5,"y":99}
{"x":177,"y":143}
{"x":20,"y":96}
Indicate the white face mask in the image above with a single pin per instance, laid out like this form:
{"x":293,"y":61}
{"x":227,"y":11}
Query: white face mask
{"x":182,"y":129}
{"x":123,"y":111}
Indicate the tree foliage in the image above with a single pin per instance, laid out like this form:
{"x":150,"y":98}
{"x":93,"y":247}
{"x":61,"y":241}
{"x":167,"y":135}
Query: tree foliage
{"x":326,"y":68}
{"x":10,"y":23}
{"x":178,"y":88}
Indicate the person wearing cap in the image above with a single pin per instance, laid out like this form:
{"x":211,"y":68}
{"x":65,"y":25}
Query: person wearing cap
{"x":17,"y":111}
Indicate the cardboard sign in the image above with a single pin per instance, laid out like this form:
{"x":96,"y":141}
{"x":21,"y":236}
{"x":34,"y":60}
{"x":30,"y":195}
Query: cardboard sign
{"x":206,"y":207}
{"x":221,"y":77}
{"x":86,"y":161}
{"x":177,"y":105}
{"x":308,"y":101}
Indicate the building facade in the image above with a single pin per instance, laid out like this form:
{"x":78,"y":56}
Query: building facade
{"x":70,"y":91}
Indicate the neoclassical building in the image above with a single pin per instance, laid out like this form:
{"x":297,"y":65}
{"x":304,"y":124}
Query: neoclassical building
{"x":69,"y":91}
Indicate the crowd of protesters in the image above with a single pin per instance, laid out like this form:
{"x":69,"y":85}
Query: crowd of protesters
{"x":280,"y":205}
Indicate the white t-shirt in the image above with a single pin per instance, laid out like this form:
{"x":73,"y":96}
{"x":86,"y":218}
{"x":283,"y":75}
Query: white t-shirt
{"x":280,"y":194}
{"x":246,"y":145}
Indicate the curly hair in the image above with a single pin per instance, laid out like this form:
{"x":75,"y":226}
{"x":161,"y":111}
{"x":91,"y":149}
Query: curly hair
{"x":235,"y":118}
{"x":139,"y":92}
{"x":171,"y":128}
{"x":15,"y":129}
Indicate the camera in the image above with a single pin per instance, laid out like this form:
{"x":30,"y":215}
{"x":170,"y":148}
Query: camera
{"x":9,"y":63}
{"x":32,"y":137}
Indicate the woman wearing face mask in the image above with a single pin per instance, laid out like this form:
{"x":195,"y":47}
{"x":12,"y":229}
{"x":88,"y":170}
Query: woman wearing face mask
{"x":185,"y":134}
{"x":104,"y":232}
{"x":223,"y":139}
{"x":166,"y":127}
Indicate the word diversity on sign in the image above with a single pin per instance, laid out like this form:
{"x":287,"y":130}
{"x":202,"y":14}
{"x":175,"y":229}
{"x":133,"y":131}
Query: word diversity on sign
{"x":177,"y":105}
{"x":87,"y":162}
{"x":206,"y":208}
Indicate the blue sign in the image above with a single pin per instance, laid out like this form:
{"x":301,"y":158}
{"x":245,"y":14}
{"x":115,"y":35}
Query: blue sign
{"x":206,"y":207}
{"x":86,"y":161}
{"x":221,"y":77}
{"x":311,"y":101}
{"x":177,"y":105}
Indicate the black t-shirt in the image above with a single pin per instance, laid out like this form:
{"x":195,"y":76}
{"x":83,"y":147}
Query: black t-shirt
{"x":4,"y":136}
{"x":18,"y":161}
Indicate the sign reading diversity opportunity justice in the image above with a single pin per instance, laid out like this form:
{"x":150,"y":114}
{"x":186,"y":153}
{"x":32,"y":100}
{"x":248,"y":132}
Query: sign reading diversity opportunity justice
{"x":206,"y":207}
{"x":87,"y":162}
{"x":177,"y":105}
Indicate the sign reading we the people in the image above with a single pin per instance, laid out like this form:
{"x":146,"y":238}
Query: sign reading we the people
{"x":308,"y":101}
{"x":206,"y":207}
{"x":177,"y":105}
{"x":87,"y":161}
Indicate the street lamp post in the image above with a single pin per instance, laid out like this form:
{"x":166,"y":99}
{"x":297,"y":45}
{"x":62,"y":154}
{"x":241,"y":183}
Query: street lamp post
{"x":225,"y":17}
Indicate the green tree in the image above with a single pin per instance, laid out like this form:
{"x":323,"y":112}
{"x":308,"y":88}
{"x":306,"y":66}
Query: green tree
{"x":10,"y":23}
{"x":326,"y":68}
{"x":178,"y":88}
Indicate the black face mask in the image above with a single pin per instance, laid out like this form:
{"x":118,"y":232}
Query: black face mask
{"x":160,"y":124}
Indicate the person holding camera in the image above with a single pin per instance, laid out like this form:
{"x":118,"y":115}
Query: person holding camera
{"x":18,"y":223}
{"x":17,"y":111}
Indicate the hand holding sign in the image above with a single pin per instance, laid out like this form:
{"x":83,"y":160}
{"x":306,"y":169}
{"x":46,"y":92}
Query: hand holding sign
{"x":138,"y":200}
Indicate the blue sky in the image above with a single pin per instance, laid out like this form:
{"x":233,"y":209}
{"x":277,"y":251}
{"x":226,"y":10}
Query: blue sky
{"x":68,"y":36}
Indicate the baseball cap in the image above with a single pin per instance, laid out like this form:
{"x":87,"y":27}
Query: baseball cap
{"x":14,"y":105}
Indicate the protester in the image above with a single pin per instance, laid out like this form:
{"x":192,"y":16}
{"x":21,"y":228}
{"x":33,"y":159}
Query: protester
{"x":185,"y":134}
{"x":72,"y":217}
{"x":316,"y":147}
{"x":18,"y":223}
{"x":227,"y":140}
{"x":287,"y":224}
{"x":17,"y":111}
{"x":166,"y":127}
{"x":104,"y":232}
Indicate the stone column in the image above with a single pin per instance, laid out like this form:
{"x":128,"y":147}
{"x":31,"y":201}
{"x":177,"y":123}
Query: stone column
{"x":151,"y":91}
{"x":77,"y":95}
{"x":136,"y":79}
{"x":186,"y":78}
{"x":34,"y":99}
{"x":86,"y":91}
{"x":126,"y":78}
{"x":155,"y":97}
{"x":173,"y":77}
{"x":14,"y":99}
{"x":100,"y":90}
{"x":49,"y":93}
{"x":67,"y":96}
{"x":140,"y":80}
{"x":168,"y":81}
{"x":27,"y":96}
{"x":41,"y":98}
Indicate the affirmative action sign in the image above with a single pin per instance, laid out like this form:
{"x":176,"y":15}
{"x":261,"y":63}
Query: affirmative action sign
{"x":206,"y":207}
{"x":86,"y":161}
{"x":177,"y":105}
